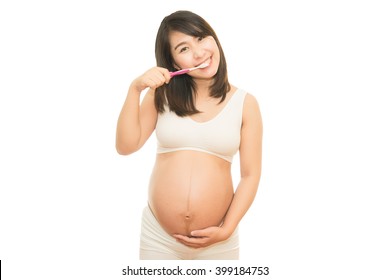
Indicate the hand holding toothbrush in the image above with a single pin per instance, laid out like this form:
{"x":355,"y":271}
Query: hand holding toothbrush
{"x":184,"y":71}
{"x":157,"y":76}
{"x":153,"y":78}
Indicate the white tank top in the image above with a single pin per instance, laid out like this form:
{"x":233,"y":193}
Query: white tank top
{"x":219,"y":136}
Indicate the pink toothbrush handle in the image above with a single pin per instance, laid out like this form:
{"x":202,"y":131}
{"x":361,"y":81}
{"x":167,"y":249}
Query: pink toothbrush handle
{"x":180,"y":72}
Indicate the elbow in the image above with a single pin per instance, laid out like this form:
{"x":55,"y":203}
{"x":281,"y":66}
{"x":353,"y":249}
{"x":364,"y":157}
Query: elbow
{"x":125,"y":150}
{"x":126,"y":145}
{"x":253,"y":176}
{"x":254,"y":179}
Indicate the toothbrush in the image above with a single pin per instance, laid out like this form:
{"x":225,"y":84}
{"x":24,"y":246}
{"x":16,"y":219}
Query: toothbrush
{"x":183,"y":71}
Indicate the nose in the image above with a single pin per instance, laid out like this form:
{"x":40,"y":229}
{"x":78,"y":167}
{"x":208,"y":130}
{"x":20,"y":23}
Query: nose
{"x":198,"y":52}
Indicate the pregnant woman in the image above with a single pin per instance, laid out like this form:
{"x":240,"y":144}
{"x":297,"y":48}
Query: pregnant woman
{"x":201,"y":121}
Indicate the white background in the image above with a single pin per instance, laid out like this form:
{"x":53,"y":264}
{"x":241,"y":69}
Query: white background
{"x":70,"y":207}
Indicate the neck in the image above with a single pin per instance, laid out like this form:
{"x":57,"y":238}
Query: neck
{"x":203,"y":88}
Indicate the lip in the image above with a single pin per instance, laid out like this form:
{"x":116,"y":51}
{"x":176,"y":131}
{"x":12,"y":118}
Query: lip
{"x":207,"y":61}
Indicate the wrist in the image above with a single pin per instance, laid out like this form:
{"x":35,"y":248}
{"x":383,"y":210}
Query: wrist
{"x":227,"y":230}
{"x":135,"y":89}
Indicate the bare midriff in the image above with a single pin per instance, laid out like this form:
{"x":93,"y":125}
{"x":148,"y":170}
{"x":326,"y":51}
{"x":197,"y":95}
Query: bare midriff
{"x":190,"y":190}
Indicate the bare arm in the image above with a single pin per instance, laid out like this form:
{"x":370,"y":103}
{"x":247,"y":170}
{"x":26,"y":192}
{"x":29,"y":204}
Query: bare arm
{"x":250,"y":163}
{"x":136,"y":122}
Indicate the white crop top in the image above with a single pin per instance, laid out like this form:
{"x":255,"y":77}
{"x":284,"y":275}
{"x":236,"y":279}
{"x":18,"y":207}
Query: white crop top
{"x":219,"y":136}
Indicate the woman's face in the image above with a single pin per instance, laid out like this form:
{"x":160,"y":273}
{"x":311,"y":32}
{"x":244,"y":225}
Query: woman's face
{"x":188,"y":51}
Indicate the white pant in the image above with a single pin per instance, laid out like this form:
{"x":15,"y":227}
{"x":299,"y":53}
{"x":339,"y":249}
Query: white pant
{"x":157,"y":244}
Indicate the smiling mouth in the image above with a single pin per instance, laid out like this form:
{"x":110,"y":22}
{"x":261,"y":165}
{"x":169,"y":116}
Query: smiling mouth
{"x":205,"y":63}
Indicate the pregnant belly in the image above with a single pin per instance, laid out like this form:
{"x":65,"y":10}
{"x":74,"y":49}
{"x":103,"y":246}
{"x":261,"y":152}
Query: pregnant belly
{"x":189,"y":191}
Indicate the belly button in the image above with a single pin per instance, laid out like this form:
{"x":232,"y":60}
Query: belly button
{"x":187,"y":217}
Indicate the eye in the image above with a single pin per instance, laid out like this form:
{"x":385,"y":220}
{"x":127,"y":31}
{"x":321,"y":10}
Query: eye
{"x":183,"y":49}
{"x":200,"y":38}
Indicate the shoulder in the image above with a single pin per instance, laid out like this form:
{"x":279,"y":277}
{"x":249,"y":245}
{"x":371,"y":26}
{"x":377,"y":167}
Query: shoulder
{"x":251,"y":109}
{"x":248,"y":99}
{"x":250,"y":102}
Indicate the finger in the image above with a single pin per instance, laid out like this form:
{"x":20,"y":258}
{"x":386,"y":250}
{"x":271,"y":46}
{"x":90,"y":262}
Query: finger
{"x":195,"y":241}
{"x":200,"y":233}
{"x":167,"y":75}
{"x":155,"y":82}
{"x":182,"y":238}
{"x":179,"y":236}
{"x":187,"y":238}
{"x":197,"y":233}
{"x":162,"y":74}
{"x":190,"y":244}
{"x":195,"y":245}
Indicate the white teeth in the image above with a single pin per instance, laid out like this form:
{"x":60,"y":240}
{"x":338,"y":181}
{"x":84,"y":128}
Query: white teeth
{"x":204,"y":64}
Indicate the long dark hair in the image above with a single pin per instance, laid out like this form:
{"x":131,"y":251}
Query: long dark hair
{"x":179,"y":92}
